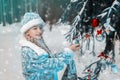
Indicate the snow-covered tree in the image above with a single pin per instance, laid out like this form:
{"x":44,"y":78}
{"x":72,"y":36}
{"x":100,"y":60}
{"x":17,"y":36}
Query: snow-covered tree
{"x":94,"y":21}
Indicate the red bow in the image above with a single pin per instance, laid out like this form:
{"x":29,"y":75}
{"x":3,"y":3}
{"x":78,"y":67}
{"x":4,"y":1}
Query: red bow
{"x":102,"y":54}
{"x":99,"y":32}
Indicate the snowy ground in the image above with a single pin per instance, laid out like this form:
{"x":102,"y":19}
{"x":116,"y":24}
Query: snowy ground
{"x":10,"y":58}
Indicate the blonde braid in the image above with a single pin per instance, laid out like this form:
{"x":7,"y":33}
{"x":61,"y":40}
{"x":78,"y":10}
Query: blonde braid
{"x":46,"y":45}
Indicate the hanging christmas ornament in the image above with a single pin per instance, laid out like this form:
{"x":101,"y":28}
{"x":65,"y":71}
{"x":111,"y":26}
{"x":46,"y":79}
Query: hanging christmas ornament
{"x":94,"y":22}
{"x":100,"y":38}
{"x":99,"y":35}
{"x":87,"y":36}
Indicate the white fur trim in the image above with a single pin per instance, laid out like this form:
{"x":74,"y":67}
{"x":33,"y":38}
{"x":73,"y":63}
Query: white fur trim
{"x":38,"y":50}
{"x":29,"y":25}
{"x":61,"y":72}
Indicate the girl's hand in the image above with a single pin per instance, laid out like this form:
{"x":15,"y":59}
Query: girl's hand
{"x":74,"y":47}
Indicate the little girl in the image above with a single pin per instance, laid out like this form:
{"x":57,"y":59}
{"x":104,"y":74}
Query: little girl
{"x":37,"y":62}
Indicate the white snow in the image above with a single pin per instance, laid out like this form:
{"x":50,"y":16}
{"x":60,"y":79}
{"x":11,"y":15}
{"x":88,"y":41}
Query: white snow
{"x":10,"y":58}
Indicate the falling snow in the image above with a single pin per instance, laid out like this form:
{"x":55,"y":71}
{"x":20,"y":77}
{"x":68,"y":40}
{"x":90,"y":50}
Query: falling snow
{"x":10,"y":58}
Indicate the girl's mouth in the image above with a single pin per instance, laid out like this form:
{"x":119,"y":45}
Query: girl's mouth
{"x":38,"y":34}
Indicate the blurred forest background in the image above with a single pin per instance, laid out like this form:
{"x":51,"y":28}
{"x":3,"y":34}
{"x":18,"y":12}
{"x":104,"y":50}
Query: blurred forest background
{"x":11,"y":11}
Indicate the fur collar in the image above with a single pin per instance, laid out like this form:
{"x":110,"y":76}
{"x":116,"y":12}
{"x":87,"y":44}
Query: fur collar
{"x":38,"y":50}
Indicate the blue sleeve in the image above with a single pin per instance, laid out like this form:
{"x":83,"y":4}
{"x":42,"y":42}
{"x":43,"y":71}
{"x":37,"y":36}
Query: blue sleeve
{"x":43,"y":61}
{"x":61,"y":59}
{"x":66,"y":55}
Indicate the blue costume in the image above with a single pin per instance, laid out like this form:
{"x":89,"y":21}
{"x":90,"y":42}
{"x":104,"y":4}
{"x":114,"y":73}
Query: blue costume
{"x":38,"y":65}
{"x":36,"y":61}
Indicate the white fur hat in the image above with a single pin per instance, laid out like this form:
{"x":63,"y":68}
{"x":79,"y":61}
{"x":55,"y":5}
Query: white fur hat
{"x":31,"y":19}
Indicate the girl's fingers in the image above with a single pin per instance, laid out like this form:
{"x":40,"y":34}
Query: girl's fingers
{"x":77,"y":45}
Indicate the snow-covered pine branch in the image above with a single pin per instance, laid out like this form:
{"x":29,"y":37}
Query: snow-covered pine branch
{"x":73,"y":31}
{"x":108,"y":11}
{"x":107,"y":14}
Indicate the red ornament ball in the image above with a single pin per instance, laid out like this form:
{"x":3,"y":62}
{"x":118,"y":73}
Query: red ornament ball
{"x":94,"y":22}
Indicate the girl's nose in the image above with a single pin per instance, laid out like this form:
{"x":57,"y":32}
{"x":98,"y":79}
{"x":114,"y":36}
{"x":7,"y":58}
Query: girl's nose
{"x":39,"y":30}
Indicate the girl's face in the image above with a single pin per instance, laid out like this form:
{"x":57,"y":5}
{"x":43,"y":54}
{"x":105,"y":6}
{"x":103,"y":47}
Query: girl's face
{"x":34,"y":33}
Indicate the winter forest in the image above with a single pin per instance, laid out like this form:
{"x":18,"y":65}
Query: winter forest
{"x":94,"y":24}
